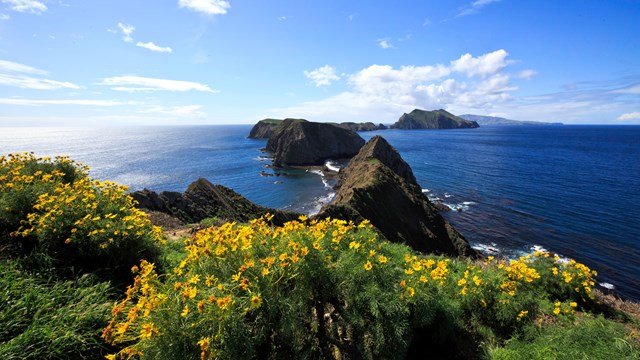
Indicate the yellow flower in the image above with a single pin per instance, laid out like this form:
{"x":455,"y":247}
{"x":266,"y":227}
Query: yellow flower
{"x":185,"y":311}
{"x":522,"y":314}
{"x":354,"y":245}
{"x":368,"y":266}
{"x":461,"y":282}
{"x":411,"y":291}
{"x":372,"y":253}
{"x":556,"y":311}
{"x":256,"y":301}
{"x":573,"y":304}
{"x":382,"y":259}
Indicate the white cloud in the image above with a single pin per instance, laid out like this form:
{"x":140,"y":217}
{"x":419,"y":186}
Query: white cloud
{"x":322,"y":76}
{"x":28,"y":82}
{"x":132,"y":83}
{"x":474,"y":7}
{"x":33,"y":102}
{"x":630,"y":116}
{"x":210,"y":7}
{"x":483,"y":65}
{"x":153,"y":47}
{"x":186,"y":111}
{"x":18,"y":75}
{"x":526,"y":74}
{"x":381,"y":92}
{"x":31,"y":6}
{"x":282,"y":18}
{"x":4,"y":16}
{"x":127,"y":30}
{"x":634,"y":89}
{"x":385,"y":43}
{"x":14,"y":67}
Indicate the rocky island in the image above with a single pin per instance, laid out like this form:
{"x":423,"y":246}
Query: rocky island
{"x":263,"y":129}
{"x":378,"y":185}
{"x":436,"y":119}
{"x":301,"y":143}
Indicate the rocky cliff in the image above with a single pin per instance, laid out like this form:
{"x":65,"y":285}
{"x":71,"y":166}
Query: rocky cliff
{"x":202,"y":200}
{"x":379,"y":185}
{"x":436,"y":119}
{"x":300,"y":143}
{"x":365,"y":126}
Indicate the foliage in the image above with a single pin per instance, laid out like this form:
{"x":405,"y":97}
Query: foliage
{"x":586,"y":338}
{"x":72,"y":222}
{"x":45,"y":319}
{"x":327,"y":289}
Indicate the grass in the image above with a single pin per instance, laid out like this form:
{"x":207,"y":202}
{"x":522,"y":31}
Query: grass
{"x":41,"y":318}
{"x":587,"y":337}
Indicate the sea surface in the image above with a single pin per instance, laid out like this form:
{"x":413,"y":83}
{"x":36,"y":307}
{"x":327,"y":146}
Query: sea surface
{"x":572,"y":190}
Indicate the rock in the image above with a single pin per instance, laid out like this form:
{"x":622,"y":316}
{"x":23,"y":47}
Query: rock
{"x":202,"y":200}
{"x":302,"y":143}
{"x":379,"y":185}
{"x":437,"y":119}
{"x":366,"y":126}
{"x":264,"y":128}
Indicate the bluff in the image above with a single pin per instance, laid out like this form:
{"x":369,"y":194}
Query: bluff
{"x":365,"y":126}
{"x":301,"y":142}
{"x":436,"y":119}
{"x":379,"y":185}
{"x":499,"y":121}
{"x":202,"y":200}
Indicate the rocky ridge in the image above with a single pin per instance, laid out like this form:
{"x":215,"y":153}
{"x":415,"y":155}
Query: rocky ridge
{"x":379,"y":185}
{"x":202,"y":200}
{"x":436,"y":119}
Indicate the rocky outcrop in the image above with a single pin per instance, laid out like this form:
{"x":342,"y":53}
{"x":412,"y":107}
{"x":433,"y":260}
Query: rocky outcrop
{"x":365,"y":126}
{"x":264,"y":128}
{"x":303,"y":143}
{"x":379,"y":185}
{"x":202,"y":200}
{"x":436,"y":119}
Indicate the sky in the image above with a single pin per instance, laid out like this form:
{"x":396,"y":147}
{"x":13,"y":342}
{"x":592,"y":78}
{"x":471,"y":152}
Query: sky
{"x":172,"y":62}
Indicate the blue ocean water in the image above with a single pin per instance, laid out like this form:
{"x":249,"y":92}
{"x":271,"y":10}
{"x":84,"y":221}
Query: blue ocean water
{"x":573,"y":190}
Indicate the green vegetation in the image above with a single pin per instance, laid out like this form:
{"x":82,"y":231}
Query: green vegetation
{"x":309,"y":289}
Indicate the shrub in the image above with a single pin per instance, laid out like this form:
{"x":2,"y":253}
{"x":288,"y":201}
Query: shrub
{"x":74,"y":223}
{"x":326,"y":289}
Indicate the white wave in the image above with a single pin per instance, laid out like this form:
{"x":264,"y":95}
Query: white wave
{"x":425,"y":190}
{"x":463,"y":206}
{"x":607,"y":285}
{"x":332,"y":166}
{"x":317,"y":172}
{"x":447,"y":195}
{"x":320,"y":202}
{"x":487,"y":249}
{"x":326,"y":183}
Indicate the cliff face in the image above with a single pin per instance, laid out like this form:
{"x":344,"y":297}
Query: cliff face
{"x":202,"y":200}
{"x":264,"y":128}
{"x":437,"y":119}
{"x":379,"y":185}
{"x":365,"y":126}
{"x":299,"y":143}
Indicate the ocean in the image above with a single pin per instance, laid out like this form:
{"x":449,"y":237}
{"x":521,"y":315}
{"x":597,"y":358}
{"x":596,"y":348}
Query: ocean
{"x":573,"y":190}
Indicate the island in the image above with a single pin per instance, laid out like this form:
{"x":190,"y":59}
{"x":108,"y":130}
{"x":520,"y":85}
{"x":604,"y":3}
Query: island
{"x":436,"y":119}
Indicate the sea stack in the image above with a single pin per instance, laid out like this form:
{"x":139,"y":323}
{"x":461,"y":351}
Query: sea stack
{"x":298,"y":142}
{"x":379,"y":185}
{"x":436,"y":119}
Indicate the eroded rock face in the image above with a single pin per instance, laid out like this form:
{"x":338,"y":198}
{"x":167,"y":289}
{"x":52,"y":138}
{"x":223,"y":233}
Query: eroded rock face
{"x":436,"y":119}
{"x":202,"y":200}
{"x":365,"y":126}
{"x":379,"y":185}
{"x":301,"y":143}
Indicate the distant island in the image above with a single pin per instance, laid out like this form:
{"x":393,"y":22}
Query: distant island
{"x":436,"y":119}
{"x":499,"y":121}
{"x":266,"y":127}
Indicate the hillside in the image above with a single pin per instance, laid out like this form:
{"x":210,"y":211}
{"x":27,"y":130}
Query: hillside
{"x":499,"y":121}
{"x":436,"y":119}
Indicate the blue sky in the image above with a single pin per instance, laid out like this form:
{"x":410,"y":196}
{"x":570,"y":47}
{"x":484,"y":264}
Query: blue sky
{"x":79,"y":62}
